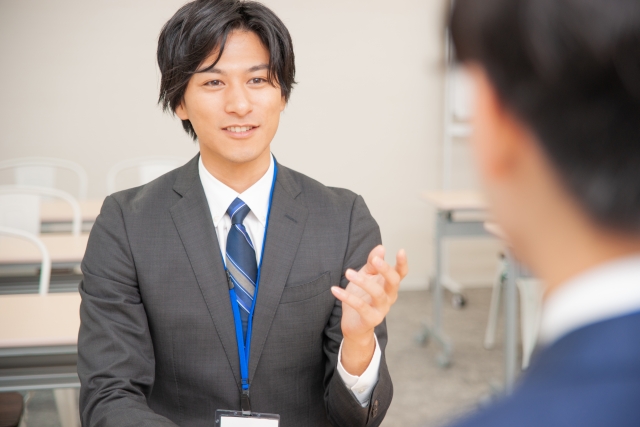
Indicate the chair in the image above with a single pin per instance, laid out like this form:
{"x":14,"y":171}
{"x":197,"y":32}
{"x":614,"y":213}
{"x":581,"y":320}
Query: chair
{"x":149,"y":168}
{"x":45,"y":268}
{"x":531,"y":291}
{"x":41,"y":172}
{"x":67,"y":406}
{"x":494,"y":307}
{"x":66,"y":399}
{"x":20,"y":207}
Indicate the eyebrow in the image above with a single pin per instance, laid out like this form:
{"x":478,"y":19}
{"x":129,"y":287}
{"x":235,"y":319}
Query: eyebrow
{"x":219,"y":71}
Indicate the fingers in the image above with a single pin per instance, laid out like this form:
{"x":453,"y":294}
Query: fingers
{"x":377,"y":269}
{"x":392,"y":276}
{"x":369,"y":268}
{"x":367,"y":313}
{"x":371,"y":286}
{"x":374,"y":289}
{"x":402,"y":265}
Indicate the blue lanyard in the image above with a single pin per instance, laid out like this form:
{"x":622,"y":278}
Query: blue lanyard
{"x":244,"y":347}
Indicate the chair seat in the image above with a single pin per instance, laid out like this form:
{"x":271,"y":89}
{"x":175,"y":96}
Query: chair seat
{"x":11,"y":406}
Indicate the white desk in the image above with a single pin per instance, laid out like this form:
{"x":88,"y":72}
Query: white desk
{"x":20,"y":259}
{"x":472,"y":206}
{"x":66,"y":251}
{"x":459,"y":214}
{"x":456,"y":200}
{"x":495,"y":229}
{"x":38,"y":341}
{"x":56,"y":215}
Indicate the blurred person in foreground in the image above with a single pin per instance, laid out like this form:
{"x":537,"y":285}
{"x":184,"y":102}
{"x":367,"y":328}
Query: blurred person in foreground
{"x":557,"y":141}
{"x":233,"y":282}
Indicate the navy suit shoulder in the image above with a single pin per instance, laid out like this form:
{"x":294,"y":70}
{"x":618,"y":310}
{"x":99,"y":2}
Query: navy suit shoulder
{"x":588,"y":378}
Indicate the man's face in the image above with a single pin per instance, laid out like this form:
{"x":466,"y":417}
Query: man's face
{"x":234,"y":110}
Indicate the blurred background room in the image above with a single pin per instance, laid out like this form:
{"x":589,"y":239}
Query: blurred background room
{"x":377,"y":99}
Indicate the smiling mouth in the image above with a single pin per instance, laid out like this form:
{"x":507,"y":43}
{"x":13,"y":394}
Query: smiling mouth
{"x":239,"y":129}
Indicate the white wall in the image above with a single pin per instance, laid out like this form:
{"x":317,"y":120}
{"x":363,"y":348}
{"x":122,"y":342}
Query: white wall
{"x":79,"y":81}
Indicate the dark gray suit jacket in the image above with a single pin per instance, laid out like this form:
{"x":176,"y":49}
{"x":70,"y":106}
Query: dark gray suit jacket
{"x":157,"y":344}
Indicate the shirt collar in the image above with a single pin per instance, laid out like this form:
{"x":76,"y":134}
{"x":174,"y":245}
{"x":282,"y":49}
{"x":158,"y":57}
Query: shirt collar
{"x":219,"y":196}
{"x":609,"y":290}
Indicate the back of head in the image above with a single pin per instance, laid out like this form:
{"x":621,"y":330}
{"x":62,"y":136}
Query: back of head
{"x":570,"y":71}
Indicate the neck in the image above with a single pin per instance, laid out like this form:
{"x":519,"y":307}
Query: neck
{"x":238,"y":176}
{"x":551,"y":231}
{"x":563,"y":249}
{"x":589,"y":251}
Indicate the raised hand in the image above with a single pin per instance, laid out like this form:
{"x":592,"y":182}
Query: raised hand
{"x":366,"y":301}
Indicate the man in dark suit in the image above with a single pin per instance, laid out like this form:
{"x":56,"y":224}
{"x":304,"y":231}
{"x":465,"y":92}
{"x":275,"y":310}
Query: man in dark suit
{"x":233,"y":282}
{"x":557,"y":141}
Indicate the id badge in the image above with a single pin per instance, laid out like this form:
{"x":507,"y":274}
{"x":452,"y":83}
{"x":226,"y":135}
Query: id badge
{"x":226,"y":418}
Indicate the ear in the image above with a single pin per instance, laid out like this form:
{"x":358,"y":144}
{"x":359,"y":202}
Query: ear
{"x":181,"y":111}
{"x":283,"y":104}
{"x":499,"y":138}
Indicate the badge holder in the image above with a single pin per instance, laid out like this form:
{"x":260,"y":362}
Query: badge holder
{"x":226,"y":418}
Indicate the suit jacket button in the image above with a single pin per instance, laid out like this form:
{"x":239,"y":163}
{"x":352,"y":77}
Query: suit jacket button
{"x":375,"y":409}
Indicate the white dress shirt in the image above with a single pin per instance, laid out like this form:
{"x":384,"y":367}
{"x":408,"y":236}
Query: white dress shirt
{"x":606,"y":291}
{"x":219,"y":197}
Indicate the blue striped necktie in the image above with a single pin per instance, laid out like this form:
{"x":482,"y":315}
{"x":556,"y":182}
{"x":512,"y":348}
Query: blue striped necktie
{"x":241,"y":261}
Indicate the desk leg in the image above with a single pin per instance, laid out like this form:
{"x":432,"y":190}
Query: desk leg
{"x":435,"y":330}
{"x":510,"y":327}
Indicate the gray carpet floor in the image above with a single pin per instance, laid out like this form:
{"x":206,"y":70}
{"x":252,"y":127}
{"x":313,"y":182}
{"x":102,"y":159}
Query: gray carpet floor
{"x":424,"y":394}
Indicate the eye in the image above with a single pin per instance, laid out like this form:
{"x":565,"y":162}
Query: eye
{"x":214,"y":83}
{"x":257,"y":80}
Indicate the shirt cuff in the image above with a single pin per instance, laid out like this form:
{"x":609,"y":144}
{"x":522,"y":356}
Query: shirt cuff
{"x":362,"y":386}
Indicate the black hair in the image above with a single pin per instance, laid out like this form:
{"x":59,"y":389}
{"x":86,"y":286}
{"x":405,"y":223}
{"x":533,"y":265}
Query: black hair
{"x":202,"y":26}
{"x":569,"y":70}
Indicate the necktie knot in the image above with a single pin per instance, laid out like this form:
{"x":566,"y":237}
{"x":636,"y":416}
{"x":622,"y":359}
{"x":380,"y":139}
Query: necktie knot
{"x":238,"y":210}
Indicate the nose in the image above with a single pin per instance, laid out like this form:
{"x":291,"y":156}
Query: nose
{"x":238,"y":101}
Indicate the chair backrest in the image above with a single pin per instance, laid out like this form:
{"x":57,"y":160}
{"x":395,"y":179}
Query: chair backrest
{"x":20,"y":211}
{"x":41,"y":172}
{"x":149,"y":168}
{"x":20,"y":207}
{"x":45,"y":268}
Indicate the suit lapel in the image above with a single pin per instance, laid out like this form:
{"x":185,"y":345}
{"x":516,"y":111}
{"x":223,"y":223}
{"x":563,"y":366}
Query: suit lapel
{"x":286,"y":225}
{"x":192,"y":219}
